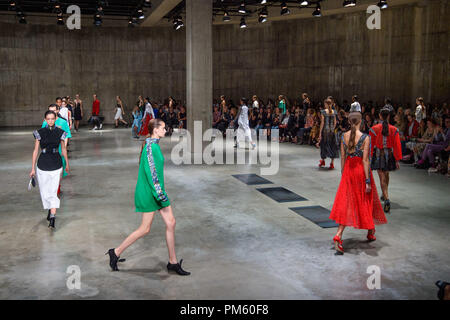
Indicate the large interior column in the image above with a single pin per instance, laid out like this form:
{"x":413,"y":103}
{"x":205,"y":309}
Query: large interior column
{"x":199,"y":71}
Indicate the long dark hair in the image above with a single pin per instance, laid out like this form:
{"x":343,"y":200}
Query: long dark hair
{"x":384,"y":114}
{"x":354,"y":119}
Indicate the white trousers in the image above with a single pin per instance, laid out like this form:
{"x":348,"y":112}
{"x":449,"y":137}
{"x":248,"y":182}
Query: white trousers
{"x":48,"y":186}
{"x":243,"y":133}
{"x":118,"y":114}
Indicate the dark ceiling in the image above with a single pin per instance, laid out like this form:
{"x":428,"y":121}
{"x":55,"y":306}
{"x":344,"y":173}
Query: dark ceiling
{"x":88,"y":7}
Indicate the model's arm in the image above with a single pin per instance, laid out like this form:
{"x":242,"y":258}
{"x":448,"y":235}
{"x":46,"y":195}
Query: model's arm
{"x":81,"y":108}
{"x":35,"y":154}
{"x":342,"y":155}
{"x":397,"y":147}
{"x":70,"y":118}
{"x":366,"y":163}
{"x":152,"y":167}
{"x":322,"y":120}
{"x":64,"y":150}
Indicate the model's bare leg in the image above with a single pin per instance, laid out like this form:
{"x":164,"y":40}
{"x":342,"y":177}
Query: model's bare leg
{"x":340,"y":230}
{"x":383,"y":184}
{"x":144,"y":228}
{"x":169,"y":220}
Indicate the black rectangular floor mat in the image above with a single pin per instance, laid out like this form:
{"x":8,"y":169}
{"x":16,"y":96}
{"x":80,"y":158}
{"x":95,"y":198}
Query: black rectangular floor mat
{"x":251,"y":179}
{"x":281,"y":194}
{"x":317,"y":214}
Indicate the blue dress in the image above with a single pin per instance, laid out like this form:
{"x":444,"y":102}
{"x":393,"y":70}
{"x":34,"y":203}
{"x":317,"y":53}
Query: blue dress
{"x":137,"y":122}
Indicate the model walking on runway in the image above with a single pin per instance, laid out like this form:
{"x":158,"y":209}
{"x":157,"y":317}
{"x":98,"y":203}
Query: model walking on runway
{"x":386,"y":152}
{"x":62,"y":124}
{"x":148,"y":115}
{"x":356,"y":203}
{"x":78,"y":111}
{"x":327,"y":138}
{"x":49,"y":164}
{"x":243,"y":132}
{"x":119,"y":113}
{"x":151,"y":197}
{"x":137,"y":120}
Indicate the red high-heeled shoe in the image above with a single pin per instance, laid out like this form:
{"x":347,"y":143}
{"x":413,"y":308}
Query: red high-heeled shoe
{"x":371,"y":235}
{"x":338,"y":245}
{"x":331,"y":166}
{"x":321,"y":163}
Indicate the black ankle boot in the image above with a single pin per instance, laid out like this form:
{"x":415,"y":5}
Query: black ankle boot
{"x":51,"y":223}
{"x":48,"y":215}
{"x":113,"y":259}
{"x":177,"y":268}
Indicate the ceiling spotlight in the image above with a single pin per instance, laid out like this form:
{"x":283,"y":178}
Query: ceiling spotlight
{"x":242,"y":8}
{"x":262,"y":19}
{"x":263,"y":1}
{"x":177,"y":22}
{"x":304,"y":3}
{"x":264,"y":13}
{"x":12,"y":4}
{"x":147,"y":4}
{"x":226,"y":17}
{"x":349,"y":3}
{"x":382,"y":4}
{"x":284,"y":9}
{"x":60,"y":22}
{"x":317,"y":12}
{"x":22,"y":20}
{"x":140,"y":13}
{"x":132,"y":21}
{"x":243,"y":24}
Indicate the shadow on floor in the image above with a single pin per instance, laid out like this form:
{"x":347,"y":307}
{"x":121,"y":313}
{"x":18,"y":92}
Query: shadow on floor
{"x":357,"y":246}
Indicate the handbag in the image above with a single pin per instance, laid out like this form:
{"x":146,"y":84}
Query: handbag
{"x":31,"y":183}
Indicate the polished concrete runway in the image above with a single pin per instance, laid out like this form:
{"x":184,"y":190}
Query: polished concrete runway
{"x":237,"y":242}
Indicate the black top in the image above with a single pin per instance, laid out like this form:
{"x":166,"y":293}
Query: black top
{"x":50,"y":159}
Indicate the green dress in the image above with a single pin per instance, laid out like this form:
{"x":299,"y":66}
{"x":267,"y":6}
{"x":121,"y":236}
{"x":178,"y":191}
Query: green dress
{"x":62,"y":124}
{"x":150,"y":194}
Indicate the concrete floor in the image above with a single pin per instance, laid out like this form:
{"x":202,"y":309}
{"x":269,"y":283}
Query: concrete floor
{"x":238,"y":243}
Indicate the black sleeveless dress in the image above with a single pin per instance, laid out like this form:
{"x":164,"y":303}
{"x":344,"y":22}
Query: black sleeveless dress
{"x":77,"y":112}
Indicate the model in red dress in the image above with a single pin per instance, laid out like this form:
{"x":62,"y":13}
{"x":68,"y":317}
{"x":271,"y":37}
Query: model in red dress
{"x":356,"y":203}
{"x":148,"y":115}
{"x":386,"y":151}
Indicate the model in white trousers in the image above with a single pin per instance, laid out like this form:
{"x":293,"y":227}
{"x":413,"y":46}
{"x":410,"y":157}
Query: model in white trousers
{"x":48,"y":186}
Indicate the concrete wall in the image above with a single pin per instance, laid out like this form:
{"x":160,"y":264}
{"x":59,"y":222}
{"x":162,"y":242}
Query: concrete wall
{"x":40,"y":62}
{"x":332,"y":55}
{"x":339,"y":56}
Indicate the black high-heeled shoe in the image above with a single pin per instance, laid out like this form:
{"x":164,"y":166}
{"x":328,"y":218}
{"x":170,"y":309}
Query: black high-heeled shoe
{"x":441,"y":285}
{"x":177,"y":268}
{"x":387,"y":206}
{"x":51,"y":223}
{"x":48,"y":215}
{"x":113,"y":259}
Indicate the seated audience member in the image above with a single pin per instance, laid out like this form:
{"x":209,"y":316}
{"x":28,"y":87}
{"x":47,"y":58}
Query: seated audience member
{"x":440,"y":143}
{"x":309,"y":122}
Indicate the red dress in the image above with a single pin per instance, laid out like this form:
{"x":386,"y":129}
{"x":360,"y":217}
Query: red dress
{"x":144,"y":127}
{"x":352,"y":205}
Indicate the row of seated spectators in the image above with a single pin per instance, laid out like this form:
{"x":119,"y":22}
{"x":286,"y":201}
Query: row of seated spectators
{"x":424,"y":143}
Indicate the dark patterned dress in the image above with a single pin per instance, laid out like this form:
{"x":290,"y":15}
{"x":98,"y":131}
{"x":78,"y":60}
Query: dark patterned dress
{"x":328,"y":144}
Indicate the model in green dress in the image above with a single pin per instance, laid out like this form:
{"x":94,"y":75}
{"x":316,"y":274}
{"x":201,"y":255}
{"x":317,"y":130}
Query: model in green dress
{"x":150,"y":197}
